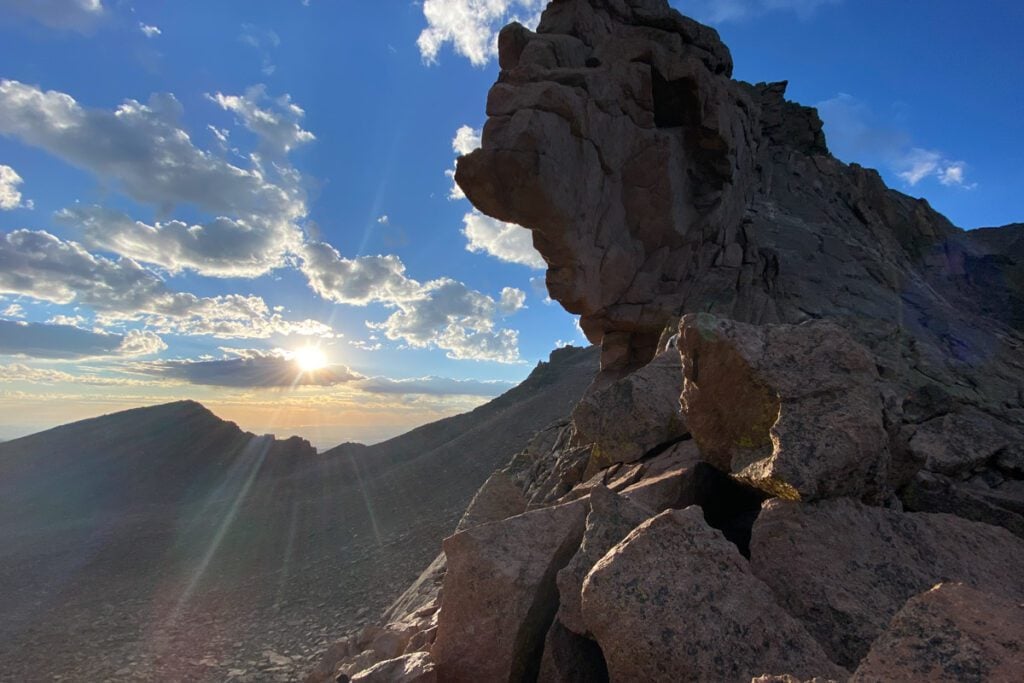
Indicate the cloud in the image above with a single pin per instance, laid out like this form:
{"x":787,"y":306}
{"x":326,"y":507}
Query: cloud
{"x":44,"y":267}
{"x":854,"y":133}
{"x":465,"y":141}
{"x":143,"y":149}
{"x":223,"y":247}
{"x":471,"y":26}
{"x":18,"y":372}
{"x":149,"y":31}
{"x":10,"y":196}
{"x":250,"y":368}
{"x":720,"y":11}
{"x":13,"y":311}
{"x":441,"y":313}
{"x":40,"y":340}
{"x":435,"y":386}
{"x":73,"y":15}
{"x":504,"y":241}
{"x":275,"y":120}
{"x":263,"y":40}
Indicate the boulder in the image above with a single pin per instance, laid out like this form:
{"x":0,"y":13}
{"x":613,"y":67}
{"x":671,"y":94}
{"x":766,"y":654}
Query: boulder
{"x":935,"y":493}
{"x":498,"y":498}
{"x":633,"y":415}
{"x":611,"y":517}
{"x":844,"y":569}
{"x":499,"y":595}
{"x":412,"y":668}
{"x":951,"y":633}
{"x":957,"y":442}
{"x":675,"y":601}
{"x":795,"y":410}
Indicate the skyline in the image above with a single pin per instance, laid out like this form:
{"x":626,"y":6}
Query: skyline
{"x":237,"y":189}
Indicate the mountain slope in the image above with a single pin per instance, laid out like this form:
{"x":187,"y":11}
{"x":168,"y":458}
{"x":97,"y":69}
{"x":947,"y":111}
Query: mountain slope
{"x":166,"y":543}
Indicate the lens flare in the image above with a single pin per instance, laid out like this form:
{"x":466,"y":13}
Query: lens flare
{"x":310,"y":359}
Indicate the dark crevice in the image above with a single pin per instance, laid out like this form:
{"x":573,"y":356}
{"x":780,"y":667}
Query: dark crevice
{"x":662,"y":447}
{"x":728,"y":505}
{"x":675,"y":102}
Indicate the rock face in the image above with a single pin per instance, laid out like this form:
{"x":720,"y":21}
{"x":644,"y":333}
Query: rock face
{"x":844,"y":569}
{"x":675,"y":601}
{"x":794,"y":409}
{"x":499,"y":594}
{"x":949,"y":634}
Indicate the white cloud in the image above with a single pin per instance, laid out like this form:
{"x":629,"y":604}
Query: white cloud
{"x":18,"y":372}
{"x":471,"y":26}
{"x":465,"y":141}
{"x":440,"y":313}
{"x":854,"y":133}
{"x":10,"y":196}
{"x":223,"y":247}
{"x":720,"y":11}
{"x":275,"y":120}
{"x":13,"y":311}
{"x":74,"y":15}
{"x":149,"y":31}
{"x":41,"y":340}
{"x":505,"y":241}
{"x":144,"y":150}
{"x":44,"y":267}
{"x":263,"y":40}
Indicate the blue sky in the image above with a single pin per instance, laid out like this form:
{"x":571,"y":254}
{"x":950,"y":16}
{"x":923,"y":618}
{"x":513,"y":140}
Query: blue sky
{"x":194,"y":194}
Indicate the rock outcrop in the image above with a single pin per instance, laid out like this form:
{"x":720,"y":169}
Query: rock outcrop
{"x":811,"y":403}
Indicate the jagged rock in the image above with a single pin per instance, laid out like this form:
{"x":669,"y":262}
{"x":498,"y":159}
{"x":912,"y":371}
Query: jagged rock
{"x":499,"y":595}
{"x":949,"y":634}
{"x":675,"y":601}
{"x":631,"y":416}
{"x":611,"y":517}
{"x":665,"y":478}
{"x":570,"y":658}
{"x":844,"y":569}
{"x":498,"y":498}
{"x":794,"y":409}
{"x":417,"y":667}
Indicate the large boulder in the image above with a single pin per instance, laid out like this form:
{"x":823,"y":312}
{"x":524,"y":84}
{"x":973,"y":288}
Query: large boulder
{"x":844,"y":569}
{"x":633,"y":415}
{"x":950,"y":634}
{"x":675,"y":601}
{"x":412,"y":668}
{"x":499,"y":595}
{"x":611,"y":517}
{"x":796,"y":410}
{"x":499,"y":498}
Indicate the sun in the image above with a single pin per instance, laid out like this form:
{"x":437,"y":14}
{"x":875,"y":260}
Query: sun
{"x":310,"y":359}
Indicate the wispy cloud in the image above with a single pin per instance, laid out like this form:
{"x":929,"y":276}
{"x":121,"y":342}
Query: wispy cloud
{"x":722,"y":11}
{"x":73,"y":15}
{"x":855,"y":133}
{"x":471,"y":26}
{"x":149,"y":30}
{"x":40,"y":340}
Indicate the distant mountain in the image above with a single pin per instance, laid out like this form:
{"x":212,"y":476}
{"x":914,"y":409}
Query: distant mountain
{"x":165,"y":542}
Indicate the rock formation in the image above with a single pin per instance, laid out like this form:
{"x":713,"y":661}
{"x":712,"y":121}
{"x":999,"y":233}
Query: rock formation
{"x":811,"y":404}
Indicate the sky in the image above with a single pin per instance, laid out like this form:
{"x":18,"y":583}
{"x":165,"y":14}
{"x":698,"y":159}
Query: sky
{"x":251,"y":204}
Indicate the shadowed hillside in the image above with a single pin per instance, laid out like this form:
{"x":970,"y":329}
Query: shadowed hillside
{"x":164,"y":543}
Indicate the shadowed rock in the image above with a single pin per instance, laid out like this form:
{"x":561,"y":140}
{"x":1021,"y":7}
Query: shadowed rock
{"x":844,"y":569}
{"x":950,"y":634}
{"x":675,"y":601}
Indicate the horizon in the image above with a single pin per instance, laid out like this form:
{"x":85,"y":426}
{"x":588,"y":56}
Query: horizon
{"x":247,"y":212}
